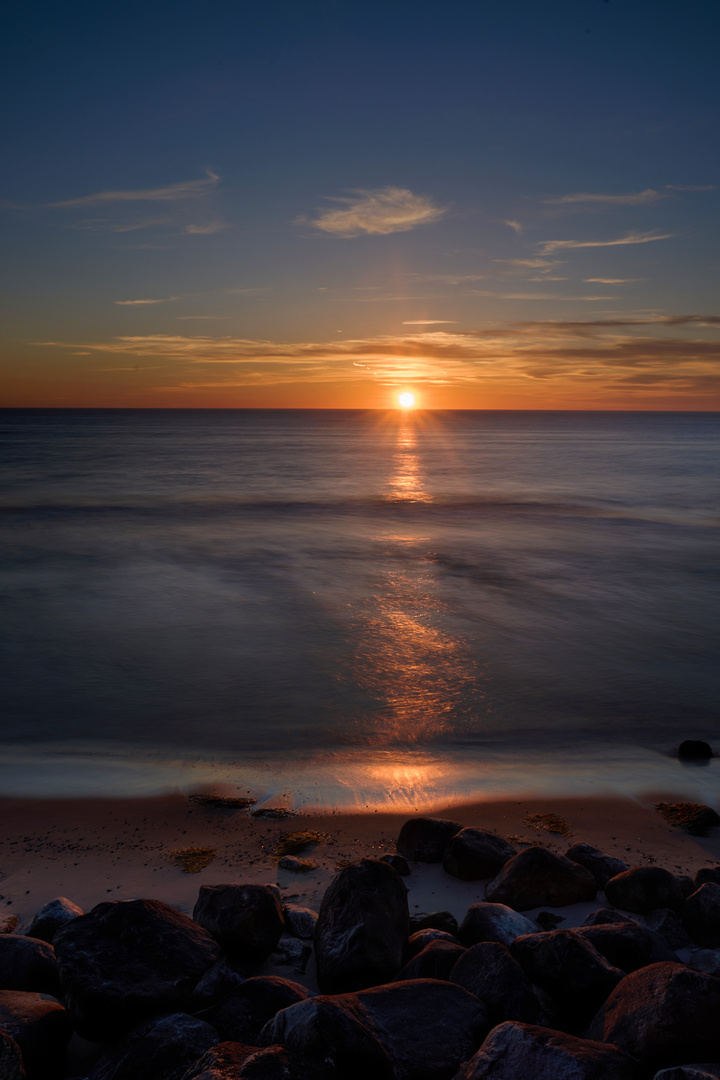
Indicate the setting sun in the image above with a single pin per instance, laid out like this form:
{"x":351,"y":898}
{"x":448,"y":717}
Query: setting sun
{"x":406,"y":400}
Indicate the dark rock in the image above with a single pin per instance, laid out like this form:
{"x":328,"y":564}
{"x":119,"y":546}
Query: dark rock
{"x":125,"y":962}
{"x":548,"y":920}
{"x":701,"y":915}
{"x":643,"y":889}
{"x":247,"y":920}
{"x":426,"y":1028}
{"x":296,"y":865}
{"x":221,"y":1062}
{"x":277,"y":1063}
{"x":706,"y":875}
{"x":241,"y":1016}
{"x":687,"y":885}
{"x":536,"y":877}
{"x":424,"y":839}
{"x":608,"y":915}
{"x":689,"y":1072}
{"x":300,"y":922}
{"x":398,"y":863}
{"x":490,"y":973}
{"x":601,"y":866}
{"x":434,"y":920}
{"x":421,"y":938}
{"x":51,"y":917}
{"x":493,"y":922}
{"x":668,"y":926}
{"x":573,"y":972}
{"x":473,"y":854}
{"x":627,"y":945}
{"x":219,"y":981}
{"x":665,"y":1014}
{"x":515,"y":1051}
{"x":705,"y":960}
{"x":11,"y":1063}
{"x":159,"y":1050}
{"x":694,"y":749}
{"x":435,"y":961}
{"x":28,"y":964}
{"x":40,"y":1027}
{"x":362,"y":929}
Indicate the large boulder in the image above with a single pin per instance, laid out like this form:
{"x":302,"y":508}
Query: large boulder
{"x":664,"y":1014}
{"x":627,"y":945}
{"x":515,"y":1051}
{"x":435,"y":961}
{"x":247,"y":920}
{"x":40,"y":1027}
{"x":219,"y":981}
{"x":242,"y":1014}
{"x":601,"y":866}
{"x":425,"y":1028}
{"x":536,"y":877}
{"x":572,"y":971}
{"x":473,"y":854}
{"x":490,"y":972}
{"x":643,"y":889}
{"x":362,"y":929}
{"x":669,"y":928}
{"x":421,"y":938}
{"x":11,"y":1062}
{"x":701,"y":915}
{"x":424,"y":839}
{"x":128,"y":961}
{"x":28,"y":964}
{"x":51,"y":917}
{"x":493,"y":922}
{"x":159,"y":1050}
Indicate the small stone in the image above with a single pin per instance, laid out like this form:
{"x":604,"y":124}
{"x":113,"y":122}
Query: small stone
{"x":694,"y":749}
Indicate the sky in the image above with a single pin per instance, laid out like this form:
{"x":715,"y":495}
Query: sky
{"x":492,"y":204}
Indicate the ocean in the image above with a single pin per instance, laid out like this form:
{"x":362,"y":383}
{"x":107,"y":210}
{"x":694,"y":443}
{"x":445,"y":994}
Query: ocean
{"x":359,"y":609}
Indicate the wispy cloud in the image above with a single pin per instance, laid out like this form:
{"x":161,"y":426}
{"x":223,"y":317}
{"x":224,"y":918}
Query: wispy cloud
{"x":210,"y":227}
{"x":428,"y":322}
{"x":516,"y":226}
{"x":633,"y":198}
{"x":692,"y":187}
{"x":376,"y":212}
{"x":137,"y":303}
{"x":548,"y":246}
{"x":188,"y":189}
{"x":610,"y":280}
{"x":530,"y":264}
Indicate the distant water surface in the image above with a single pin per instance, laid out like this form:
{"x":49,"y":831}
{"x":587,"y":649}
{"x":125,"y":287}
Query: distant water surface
{"x":465,"y":602}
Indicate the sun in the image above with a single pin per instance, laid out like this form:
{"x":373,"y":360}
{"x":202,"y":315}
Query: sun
{"x":406,"y":400}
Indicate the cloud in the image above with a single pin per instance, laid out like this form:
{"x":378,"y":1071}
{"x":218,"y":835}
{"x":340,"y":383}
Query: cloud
{"x":211,"y":227}
{"x":133,"y":303}
{"x":631,"y":199}
{"x":428,"y":322}
{"x":548,"y":246}
{"x":377,"y":212}
{"x":516,"y":226}
{"x":692,"y":187}
{"x":611,"y":280}
{"x":531,"y":264}
{"x":188,"y":189}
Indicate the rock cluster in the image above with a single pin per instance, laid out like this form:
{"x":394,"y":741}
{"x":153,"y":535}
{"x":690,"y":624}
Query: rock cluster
{"x":494,"y":997}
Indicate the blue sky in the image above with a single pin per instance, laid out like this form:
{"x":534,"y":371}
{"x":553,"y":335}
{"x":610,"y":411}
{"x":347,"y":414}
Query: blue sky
{"x":491,"y":204}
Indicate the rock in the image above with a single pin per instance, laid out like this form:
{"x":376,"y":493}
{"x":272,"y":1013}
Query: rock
{"x":241,"y":1016}
{"x":707,"y":874}
{"x":158,"y":1050}
{"x":362,"y":928}
{"x":421,"y":938}
{"x":664,"y":1014}
{"x":493,"y":922}
{"x":40,"y":1027}
{"x":643,"y":889}
{"x":547,"y":920}
{"x":490,"y":973}
{"x":689,"y":1072}
{"x":434,"y":920}
{"x":668,"y":926}
{"x":571,"y":970}
{"x":435,"y":961}
{"x":300,"y":922}
{"x":128,"y":961}
{"x":687,"y":885}
{"x":221,"y":1062}
{"x":218,"y":981}
{"x":11,"y":1063}
{"x":473,"y":854}
{"x":51,"y":917}
{"x":536,"y":877}
{"x":701,"y":915}
{"x":627,"y":945}
{"x":515,"y":1051}
{"x":398,"y":863}
{"x":608,"y":915}
{"x":601,"y":866}
{"x":277,"y":1063}
{"x":426,"y":1028}
{"x":246,"y":920}
{"x":8,"y":924}
{"x":694,"y":749}
{"x":705,"y":960}
{"x":296,"y":865}
{"x":28,"y":964}
{"x":424,"y":839}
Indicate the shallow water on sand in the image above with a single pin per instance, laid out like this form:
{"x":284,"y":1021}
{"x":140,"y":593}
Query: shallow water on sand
{"x":503,"y":600}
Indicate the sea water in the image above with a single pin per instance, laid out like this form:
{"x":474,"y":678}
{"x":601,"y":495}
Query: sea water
{"x":358,"y":608}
